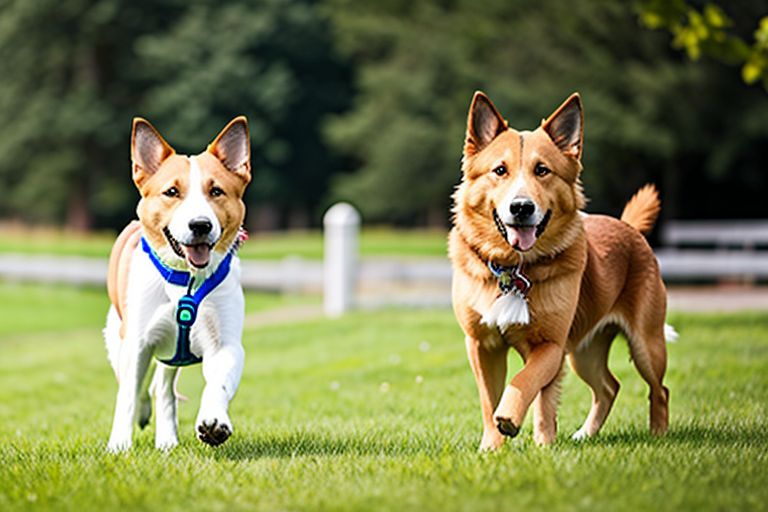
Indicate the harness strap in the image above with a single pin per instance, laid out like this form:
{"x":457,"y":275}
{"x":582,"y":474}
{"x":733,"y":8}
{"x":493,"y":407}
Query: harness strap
{"x":186,"y":309}
{"x":173,"y":276}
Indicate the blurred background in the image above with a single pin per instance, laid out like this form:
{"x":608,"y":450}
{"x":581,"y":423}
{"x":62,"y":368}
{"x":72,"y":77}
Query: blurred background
{"x":365,"y":102}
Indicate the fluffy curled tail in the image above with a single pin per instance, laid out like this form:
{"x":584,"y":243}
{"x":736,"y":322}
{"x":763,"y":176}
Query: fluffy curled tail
{"x":642,"y":210}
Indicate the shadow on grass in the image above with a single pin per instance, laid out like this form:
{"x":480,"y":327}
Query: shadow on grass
{"x":385,"y":444}
{"x":303,"y":444}
{"x":697,"y":435}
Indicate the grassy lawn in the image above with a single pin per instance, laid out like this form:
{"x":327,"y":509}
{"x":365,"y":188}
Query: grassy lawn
{"x":306,"y":244}
{"x":375,"y":411}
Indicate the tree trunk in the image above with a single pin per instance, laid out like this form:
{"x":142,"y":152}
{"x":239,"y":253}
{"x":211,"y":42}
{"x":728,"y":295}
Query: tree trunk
{"x":264,"y":217}
{"x":78,"y":214}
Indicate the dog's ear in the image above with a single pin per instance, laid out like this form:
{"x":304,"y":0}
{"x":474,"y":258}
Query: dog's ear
{"x":233,"y":147}
{"x":484,"y":124}
{"x":148,"y":150}
{"x":566,"y":126}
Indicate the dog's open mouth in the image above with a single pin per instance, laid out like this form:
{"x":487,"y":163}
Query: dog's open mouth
{"x":197,"y":255}
{"x":522,"y":238}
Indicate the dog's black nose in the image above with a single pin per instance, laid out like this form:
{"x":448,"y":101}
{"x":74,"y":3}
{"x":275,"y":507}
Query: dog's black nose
{"x":522,"y":208}
{"x":200,"y":226}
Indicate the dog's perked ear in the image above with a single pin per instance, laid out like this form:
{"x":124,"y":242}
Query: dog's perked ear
{"x":483,"y":124}
{"x":233,"y":147}
{"x":566,"y":126}
{"x":148,"y":150}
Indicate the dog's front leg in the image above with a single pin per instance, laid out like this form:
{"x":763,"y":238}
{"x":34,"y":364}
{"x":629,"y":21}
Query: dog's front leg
{"x":134,"y":361}
{"x":542,"y":365}
{"x":489,"y":365}
{"x":222,"y":368}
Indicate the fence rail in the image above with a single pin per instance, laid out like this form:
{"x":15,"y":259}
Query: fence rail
{"x":733,"y":255}
{"x":747,"y":234}
{"x":296,"y":275}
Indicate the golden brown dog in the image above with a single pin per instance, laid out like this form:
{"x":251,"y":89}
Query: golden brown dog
{"x":533,"y":272}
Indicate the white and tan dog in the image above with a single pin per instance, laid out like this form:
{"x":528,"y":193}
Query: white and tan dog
{"x":183,"y":245}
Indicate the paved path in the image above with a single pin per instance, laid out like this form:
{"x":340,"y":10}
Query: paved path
{"x":719,"y":298}
{"x":415,"y":284}
{"x":681,"y":299}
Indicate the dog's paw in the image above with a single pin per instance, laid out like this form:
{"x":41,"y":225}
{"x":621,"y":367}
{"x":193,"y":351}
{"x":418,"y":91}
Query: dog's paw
{"x":214,"y":431}
{"x":580,"y":435}
{"x":506,"y":427}
{"x":491,"y":443}
{"x":118,"y":445}
{"x":166,"y":444}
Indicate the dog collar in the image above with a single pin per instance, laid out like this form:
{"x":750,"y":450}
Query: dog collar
{"x":186,"y":309}
{"x":511,"y":279}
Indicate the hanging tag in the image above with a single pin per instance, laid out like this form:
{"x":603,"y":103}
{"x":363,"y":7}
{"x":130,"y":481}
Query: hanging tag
{"x":186,"y":311}
{"x":511,"y":307}
{"x":186,"y":314}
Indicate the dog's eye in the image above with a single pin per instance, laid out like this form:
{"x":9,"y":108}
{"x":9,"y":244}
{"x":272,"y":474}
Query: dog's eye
{"x":500,"y":170}
{"x":541,"y":170}
{"x":171,"y":192}
{"x":216,"y":192}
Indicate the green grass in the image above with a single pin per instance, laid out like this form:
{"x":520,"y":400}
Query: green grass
{"x":60,"y":243}
{"x":39,"y":308}
{"x":375,"y":411}
{"x":374,"y":242}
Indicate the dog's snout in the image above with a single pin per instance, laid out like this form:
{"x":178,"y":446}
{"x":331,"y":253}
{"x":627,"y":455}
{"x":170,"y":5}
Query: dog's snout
{"x":522,"y":208}
{"x":200,"y":226}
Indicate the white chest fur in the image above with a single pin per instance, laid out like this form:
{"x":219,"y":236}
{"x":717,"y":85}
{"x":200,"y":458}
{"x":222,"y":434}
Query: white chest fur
{"x":507,"y":310}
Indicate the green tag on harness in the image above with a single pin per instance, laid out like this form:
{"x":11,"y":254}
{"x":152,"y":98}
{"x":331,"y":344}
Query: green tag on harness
{"x":186,"y":313}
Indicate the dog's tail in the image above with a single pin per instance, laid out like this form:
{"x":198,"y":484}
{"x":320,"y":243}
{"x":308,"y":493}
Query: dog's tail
{"x":642,"y":210}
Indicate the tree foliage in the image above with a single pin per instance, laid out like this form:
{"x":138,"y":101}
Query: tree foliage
{"x":366,"y":100}
{"x":73,"y":74}
{"x":709,"y":31}
{"x":272,"y":60}
{"x":650,"y":116}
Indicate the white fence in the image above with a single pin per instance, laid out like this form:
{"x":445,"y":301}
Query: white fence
{"x":418,"y":281}
{"x":714,"y":250}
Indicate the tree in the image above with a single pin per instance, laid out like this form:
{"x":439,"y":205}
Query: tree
{"x":271,"y":60}
{"x":67,"y":89}
{"x":708,"y":31}
{"x":73,"y":74}
{"x":650,"y":116}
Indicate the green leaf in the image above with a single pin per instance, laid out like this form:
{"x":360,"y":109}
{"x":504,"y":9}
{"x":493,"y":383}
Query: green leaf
{"x":715,"y":17}
{"x":751,"y":72}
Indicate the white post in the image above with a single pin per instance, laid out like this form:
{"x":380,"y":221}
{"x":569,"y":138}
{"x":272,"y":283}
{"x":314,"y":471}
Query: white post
{"x":342,"y":227}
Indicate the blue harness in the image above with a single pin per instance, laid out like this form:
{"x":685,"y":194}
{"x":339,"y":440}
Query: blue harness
{"x":186,"y":310}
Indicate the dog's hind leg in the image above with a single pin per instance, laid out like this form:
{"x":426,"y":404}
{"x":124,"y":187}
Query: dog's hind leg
{"x":489,"y":365}
{"x":166,"y":430}
{"x":144,"y":409}
{"x":133,"y":364}
{"x":545,"y":411}
{"x":590,"y":362}
{"x":649,"y":353}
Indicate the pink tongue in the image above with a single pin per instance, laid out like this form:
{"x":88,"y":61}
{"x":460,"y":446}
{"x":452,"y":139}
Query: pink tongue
{"x":198,"y":255}
{"x":522,"y":239}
